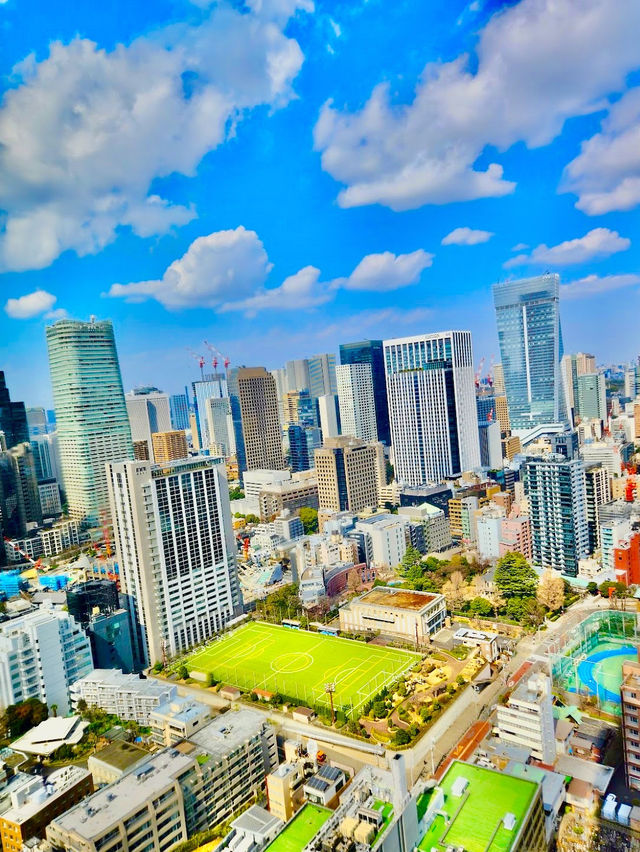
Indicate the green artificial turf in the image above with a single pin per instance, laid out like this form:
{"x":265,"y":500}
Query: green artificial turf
{"x":299,"y":831}
{"x":298,"y":664}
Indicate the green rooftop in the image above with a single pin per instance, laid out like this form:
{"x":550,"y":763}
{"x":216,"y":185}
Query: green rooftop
{"x":386,"y":809}
{"x":475,"y":818}
{"x":299,"y":831}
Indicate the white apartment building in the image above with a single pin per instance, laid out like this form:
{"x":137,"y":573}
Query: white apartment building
{"x":178,"y":719}
{"x":128,"y":696}
{"x":527,"y":718}
{"x":356,"y":401}
{"x":174,"y":538}
{"x":220,"y":425}
{"x":149,"y":412}
{"x":384,"y":538}
{"x":435,"y":524}
{"x":42,"y":654}
{"x":603,"y":453}
{"x":489,"y":531}
{"x":432,"y":406}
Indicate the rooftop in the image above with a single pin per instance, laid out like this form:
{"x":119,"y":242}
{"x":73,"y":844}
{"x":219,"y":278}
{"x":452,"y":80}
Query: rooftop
{"x":228,"y":732}
{"x":300,"y":830}
{"x":398,"y":598}
{"x":181,"y":708}
{"x":475,"y":818}
{"x":120,"y":755}
{"x":34,"y":793}
{"x":125,"y":682}
{"x":49,"y":735}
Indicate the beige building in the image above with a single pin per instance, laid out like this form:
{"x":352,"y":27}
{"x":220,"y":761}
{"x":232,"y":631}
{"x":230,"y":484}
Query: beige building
{"x":412,"y":616}
{"x":301,"y":490}
{"x":178,"y":719}
{"x":112,"y":761}
{"x":169,"y":446}
{"x":260,"y":421}
{"x":350,"y":474}
{"x":630,"y":694}
{"x":285,"y":790}
{"x":502,"y":414}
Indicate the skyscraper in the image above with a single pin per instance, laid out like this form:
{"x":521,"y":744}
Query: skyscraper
{"x":350,"y":474}
{"x":372,"y":352}
{"x":432,"y":406}
{"x":174,"y":537}
{"x":591,"y":401}
{"x":149,"y":412}
{"x":329,"y":416}
{"x":92,"y":423}
{"x":260,"y":420}
{"x":213,"y":385}
{"x":356,"y":401}
{"x":528,"y":318}
{"x":556,"y":489}
{"x":179,"y":408}
{"x":13,"y":417}
{"x":220,"y":426}
{"x":322,"y":374}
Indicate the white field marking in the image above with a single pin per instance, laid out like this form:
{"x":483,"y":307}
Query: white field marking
{"x":286,"y":669}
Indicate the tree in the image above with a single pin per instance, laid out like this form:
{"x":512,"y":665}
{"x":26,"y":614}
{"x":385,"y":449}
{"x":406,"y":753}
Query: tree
{"x":183,"y":672}
{"x":480,"y":607}
{"x":236,"y":493}
{"x":252,"y":519}
{"x":533,"y":612}
{"x":309,"y":518}
{"x":550,"y":591}
{"x":454,"y":590}
{"x":19,"y":718}
{"x":401,"y":737}
{"x":412,"y":559}
{"x":82,"y":706}
{"x":514,"y":577}
{"x":619,"y":589}
{"x":592,"y":588}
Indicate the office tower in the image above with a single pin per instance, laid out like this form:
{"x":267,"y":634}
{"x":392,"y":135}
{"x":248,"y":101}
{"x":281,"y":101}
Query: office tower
{"x":630,"y":387}
{"x":432,"y":406}
{"x":556,"y":490}
{"x":36,"y":421}
{"x":45,"y":456}
{"x":260,"y":421}
{"x":41,"y":654}
{"x":91,"y":414}
{"x":179,"y":410}
{"x":13,"y":417}
{"x":211,"y":386}
{"x":490,"y":444}
{"x":630,"y":698}
{"x":498,"y":380}
{"x":300,"y":407}
{"x":350,"y":474}
{"x":141,"y":451}
{"x":297,"y":375}
{"x":598,"y":493}
{"x":50,"y":502}
{"x":372,"y":352}
{"x":236,"y":418}
{"x":528,"y":319}
{"x":526,"y":720}
{"x":329,"y":416}
{"x":169,"y":446}
{"x":585,"y":363}
{"x":19,"y":497}
{"x":356,"y":401}
{"x":149,"y":412}
{"x":222,"y":439}
{"x":591,"y":402}
{"x":322,"y":374}
{"x":174,"y":537}
{"x":303,"y":441}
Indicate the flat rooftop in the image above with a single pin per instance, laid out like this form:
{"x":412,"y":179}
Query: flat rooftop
{"x":398,"y":598}
{"x":475,"y":818}
{"x":228,"y":732}
{"x":120,"y":755}
{"x":299,"y":831}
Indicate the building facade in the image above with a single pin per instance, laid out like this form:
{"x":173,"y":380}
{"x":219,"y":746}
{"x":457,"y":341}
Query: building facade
{"x":91,"y":415}
{"x":356,"y":401}
{"x":127,"y":696}
{"x":169,"y":446}
{"x":432,"y":406}
{"x":260,"y":419}
{"x":13,"y":417}
{"x":149,"y":412}
{"x":527,"y":718}
{"x":372,"y":352}
{"x":350,"y":474}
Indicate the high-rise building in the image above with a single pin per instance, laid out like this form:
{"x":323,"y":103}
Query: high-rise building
{"x":236,"y":418}
{"x":91,"y":414}
{"x":490,"y":444}
{"x":526,"y":720}
{"x":372,"y":352}
{"x":13,"y":417}
{"x":175,"y":541}
{"x":260,"y":420}
{"x":297,"y":375}
{"x":630,"y":695}
{"x":356,"y":401}
{"x":556,"y":489}
{"x":169,"y":446}
{"x":591,"y":401}
{"x":19,"y":495}
{"x":149,"y":412}
{"x":41,"y":654}
{"x":45,"y":456}
{"x":350,"y":474}
{"x":598,"y":493}
{"x":630,"y":383}
{"x":179,"y":409}
{"x":222,"y":439}
{"x":528,"y":318}
{"x":211,"y":386}
{"x":303,"y":441}
{"x":322,"y":374}
{"x":432,"y":406}
{"x":329,"y":416}
{"x":37,"y":421}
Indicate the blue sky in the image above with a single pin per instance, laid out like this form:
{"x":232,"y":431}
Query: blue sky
{"x":279,"y":177}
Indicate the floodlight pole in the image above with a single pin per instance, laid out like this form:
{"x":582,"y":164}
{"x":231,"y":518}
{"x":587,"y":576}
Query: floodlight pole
{"x":330,"y":688}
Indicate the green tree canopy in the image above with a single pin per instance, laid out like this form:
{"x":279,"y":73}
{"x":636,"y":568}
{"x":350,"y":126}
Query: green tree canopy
{"x":480,"y":607}
{"x":309,"y":518}
{"x":619,"y":589}
{"x":515,"y":577}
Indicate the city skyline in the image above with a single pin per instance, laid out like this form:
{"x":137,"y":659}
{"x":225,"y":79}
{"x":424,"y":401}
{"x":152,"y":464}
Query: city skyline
{"x":322,"y":252}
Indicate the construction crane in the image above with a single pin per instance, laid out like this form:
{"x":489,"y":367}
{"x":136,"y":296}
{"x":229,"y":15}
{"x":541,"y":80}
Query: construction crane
{"x":37,"y":565}
{"x":217,"y":355}
{"x":479,"y":372}
{"x":490,"y":373}
{"x":199,"y":359}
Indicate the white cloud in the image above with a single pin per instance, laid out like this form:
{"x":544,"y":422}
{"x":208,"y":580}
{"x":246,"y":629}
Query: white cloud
{"x":539,"y":63}
{"x":595,"y":245}
{"x":215,"y":268}
{"x":606,"y":173}
{"x":387,"y":271}
{"x":593,"y":285}
{"x":520,"y":247}
{"x":87,"y":131}
{"x":31,"y":305}
{"x":466,"y":237}
{"x":228,"y":270}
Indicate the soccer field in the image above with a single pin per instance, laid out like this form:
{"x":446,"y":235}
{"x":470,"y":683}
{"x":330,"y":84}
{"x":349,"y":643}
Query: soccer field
{"x":298,"y":664}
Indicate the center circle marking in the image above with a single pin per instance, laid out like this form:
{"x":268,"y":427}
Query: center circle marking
{"x":295,"y":661}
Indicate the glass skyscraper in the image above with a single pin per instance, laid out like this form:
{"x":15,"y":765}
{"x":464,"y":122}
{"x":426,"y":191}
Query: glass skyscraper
{"x":371,"y":352}
{"x":528,"y":319}
{"x":92,"y":423}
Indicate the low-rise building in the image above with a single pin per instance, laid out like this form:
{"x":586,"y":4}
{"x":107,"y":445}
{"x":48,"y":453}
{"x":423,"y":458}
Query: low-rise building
{"x":408,"y":615}
{"x":487,"y":643}
{"x":112,"y":761}
{"x":435,"y":525}
{"x":285,"y":790}
{"x":125,"y":695}
{"x":252,"y":830}
{"x":323,"y":787}
{"x":527,"y":718}
{"x":50,"y":735}
{"x":178,"y":719}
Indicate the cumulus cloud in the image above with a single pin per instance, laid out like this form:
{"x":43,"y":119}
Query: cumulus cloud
{"x":594,"y":285}
{"x":606,"y":173}
{"x":595,"y":245}
{"x":538,"y":63}
{"x":87,"y":131}
{"x":228,"y":270}
{"x":466,"y":237}
{"x":31,"y":305}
